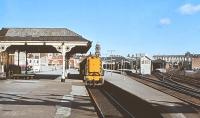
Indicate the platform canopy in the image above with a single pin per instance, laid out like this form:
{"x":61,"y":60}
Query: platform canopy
{"x":42,"y":40}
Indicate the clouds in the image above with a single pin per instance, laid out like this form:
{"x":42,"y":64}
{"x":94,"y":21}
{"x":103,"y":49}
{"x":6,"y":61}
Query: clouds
{"x":189,"y":9}
{"x":185,"y":9}
{"x":165,"y":21}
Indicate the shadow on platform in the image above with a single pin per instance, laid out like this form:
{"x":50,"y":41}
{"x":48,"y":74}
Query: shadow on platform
{"x":75,"y":76}
{"x":52,"y":77}
{"x":46,"y":100}
{"x":46,"y":76}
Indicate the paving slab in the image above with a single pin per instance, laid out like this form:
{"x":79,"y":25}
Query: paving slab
{"x":45,"y":98}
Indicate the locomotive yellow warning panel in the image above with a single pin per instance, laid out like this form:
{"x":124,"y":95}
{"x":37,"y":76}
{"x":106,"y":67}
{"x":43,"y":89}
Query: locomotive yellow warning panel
{"x":91,"y":70}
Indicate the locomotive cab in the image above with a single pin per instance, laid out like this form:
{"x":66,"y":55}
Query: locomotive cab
{"x":91,"y":70}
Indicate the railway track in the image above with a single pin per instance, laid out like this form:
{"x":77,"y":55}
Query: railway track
{"x":166,"y":85}
{"x":169,"y":83}
{"x":195,"y":82}
{"x":106,"y":105}
{"x":111,"y":101}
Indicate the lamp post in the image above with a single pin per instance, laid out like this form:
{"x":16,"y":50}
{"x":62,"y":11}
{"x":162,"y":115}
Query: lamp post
{"x":111,"y":52}
{"x":136,"y":63}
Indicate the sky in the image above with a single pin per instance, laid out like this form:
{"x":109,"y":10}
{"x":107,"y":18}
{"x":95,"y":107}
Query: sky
{"x":125,"y":26}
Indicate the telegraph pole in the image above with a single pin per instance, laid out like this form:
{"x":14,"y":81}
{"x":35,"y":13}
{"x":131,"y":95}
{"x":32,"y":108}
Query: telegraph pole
{"x":111,"y":52}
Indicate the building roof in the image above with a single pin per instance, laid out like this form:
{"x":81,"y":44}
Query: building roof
{"x":146,"y":57}
{"x":186,"y":55}
{"x":35,"y":32}
{"x":169,"y":56}
{"x":196,"y":55}
{"x":116,"y":59}
{"x":39,"y":34}
{"x":45,"y":35}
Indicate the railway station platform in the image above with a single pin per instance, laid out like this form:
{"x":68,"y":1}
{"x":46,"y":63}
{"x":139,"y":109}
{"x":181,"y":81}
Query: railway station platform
{"x":168,"y":106}
{"x":45,"y":98}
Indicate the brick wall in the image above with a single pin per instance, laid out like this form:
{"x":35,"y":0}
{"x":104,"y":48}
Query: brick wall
{"x":196,"y":63}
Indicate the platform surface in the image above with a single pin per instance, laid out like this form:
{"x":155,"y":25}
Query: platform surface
{"x":44,"y":98}
{"x":170,"y":107}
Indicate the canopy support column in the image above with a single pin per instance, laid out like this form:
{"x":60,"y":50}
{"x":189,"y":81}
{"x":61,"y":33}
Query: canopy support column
{"x":2,"y":65}
{"x":26,"y":63}
{"x":18,"y":57}
{"x":63,"y":71}
{"x":65,"y":49}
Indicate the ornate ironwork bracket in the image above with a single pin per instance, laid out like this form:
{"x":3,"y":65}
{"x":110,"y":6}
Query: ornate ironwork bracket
{"x":3,"y":47}
{"x":67,"y":48}
{"x":64,"y":49}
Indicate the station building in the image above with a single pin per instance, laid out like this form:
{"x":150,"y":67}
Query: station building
{"x":115,"y":62}
{"x":175,"y":60}
{"x":158,"y":64}
{"x":196,"y":62}
{"x":145,"y":65}
{"x":43,"y":61}
{"x":191,"y":60}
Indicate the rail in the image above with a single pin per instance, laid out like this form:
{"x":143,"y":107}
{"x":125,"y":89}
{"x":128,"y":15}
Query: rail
{"x":112,"y":101}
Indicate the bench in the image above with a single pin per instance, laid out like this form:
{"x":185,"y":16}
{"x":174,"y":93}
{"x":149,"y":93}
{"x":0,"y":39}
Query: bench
{"x":24,"y":76}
